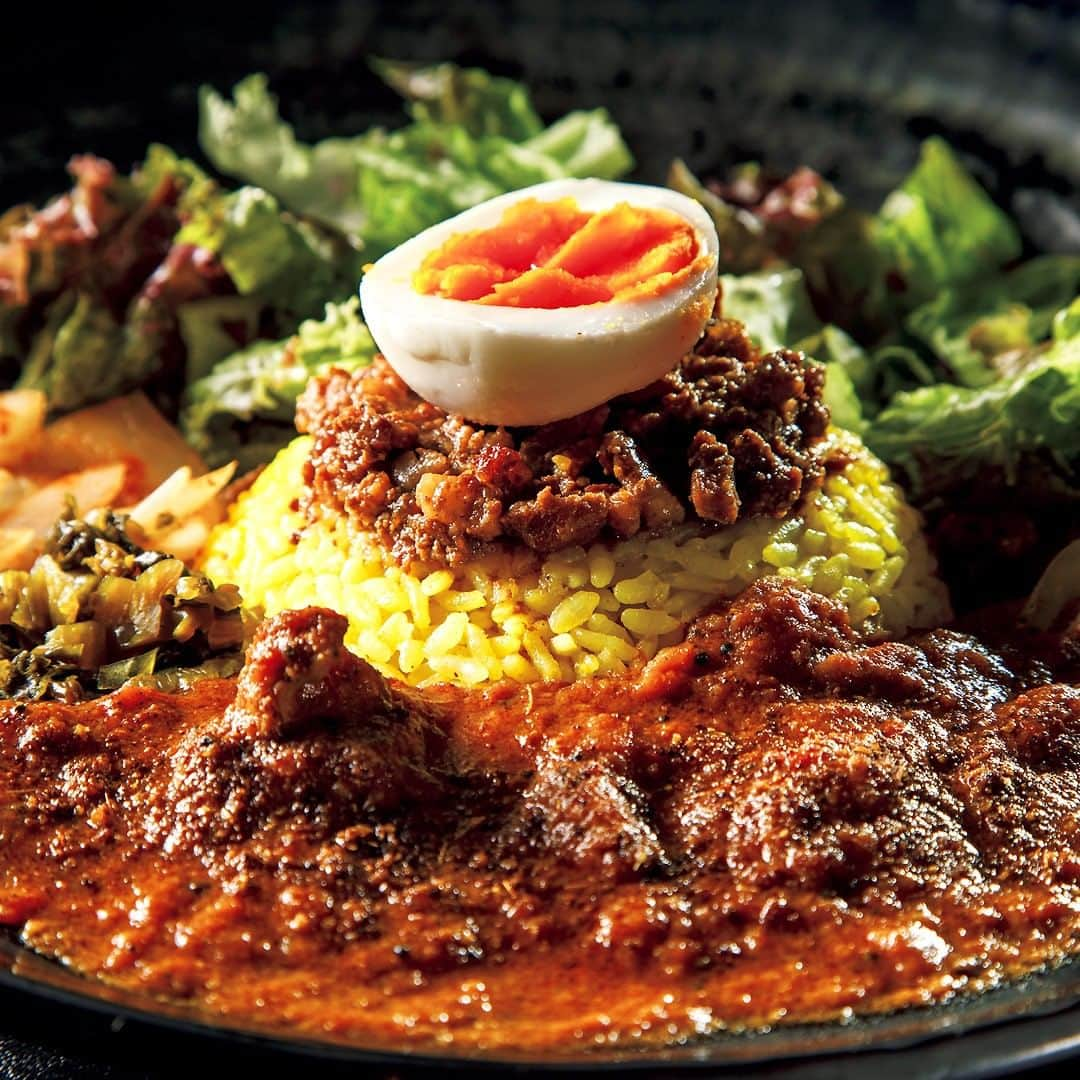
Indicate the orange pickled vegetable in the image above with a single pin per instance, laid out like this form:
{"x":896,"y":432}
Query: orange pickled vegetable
{"x":555,"y":255}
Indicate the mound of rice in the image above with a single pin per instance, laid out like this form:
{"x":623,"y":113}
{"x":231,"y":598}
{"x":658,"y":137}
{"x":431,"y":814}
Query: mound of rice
{"x":578,"y":612}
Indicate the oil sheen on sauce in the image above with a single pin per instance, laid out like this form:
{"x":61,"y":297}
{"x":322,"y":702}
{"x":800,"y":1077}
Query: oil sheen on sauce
{"x":772,"y":822}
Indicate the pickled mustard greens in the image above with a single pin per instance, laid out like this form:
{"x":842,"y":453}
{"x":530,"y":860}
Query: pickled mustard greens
{"x":96,"y":610}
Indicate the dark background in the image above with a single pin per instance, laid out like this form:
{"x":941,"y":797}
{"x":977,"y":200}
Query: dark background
{"x":848,"y":87}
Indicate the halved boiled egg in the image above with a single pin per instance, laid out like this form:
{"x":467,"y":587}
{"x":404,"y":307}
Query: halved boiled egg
{"x":545,"y":302}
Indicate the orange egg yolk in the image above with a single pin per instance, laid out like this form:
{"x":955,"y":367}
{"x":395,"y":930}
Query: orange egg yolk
{"x":555,"y":255}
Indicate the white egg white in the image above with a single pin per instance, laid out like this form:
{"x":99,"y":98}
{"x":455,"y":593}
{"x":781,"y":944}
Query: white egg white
{"x":518,"y":366}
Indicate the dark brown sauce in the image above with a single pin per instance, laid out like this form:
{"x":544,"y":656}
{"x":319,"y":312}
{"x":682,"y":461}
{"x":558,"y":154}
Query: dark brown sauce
{"x":772,"y":822}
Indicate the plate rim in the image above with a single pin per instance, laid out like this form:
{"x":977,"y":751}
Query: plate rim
{"x":1044,"y":1005}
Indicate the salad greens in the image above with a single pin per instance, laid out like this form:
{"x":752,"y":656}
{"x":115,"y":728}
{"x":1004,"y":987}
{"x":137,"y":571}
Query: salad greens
{"x":970,"y":328}
{"x":166,"y":280}
{"x":472,"y":136}
{"x":288,"y":263}
{"x":939,"y":229}
{"x":945,"y":434}
{"x":150,"y":279}
{"x":773,"y":304}
{"x":481,"y":103}
{"x":950,"y":360}
{"x":243,"y":409}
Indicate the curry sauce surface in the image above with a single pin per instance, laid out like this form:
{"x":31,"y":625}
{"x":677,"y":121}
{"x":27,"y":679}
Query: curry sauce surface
{"x":772,"y":822}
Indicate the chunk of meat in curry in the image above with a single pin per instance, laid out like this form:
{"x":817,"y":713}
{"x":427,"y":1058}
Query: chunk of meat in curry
{"x":772,"y":821}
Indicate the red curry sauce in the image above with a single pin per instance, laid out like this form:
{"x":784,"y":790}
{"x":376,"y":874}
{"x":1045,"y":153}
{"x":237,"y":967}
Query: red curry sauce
{"x":773,"y":822}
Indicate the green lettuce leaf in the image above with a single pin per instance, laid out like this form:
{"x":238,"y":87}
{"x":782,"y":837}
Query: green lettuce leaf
{"x":744,"y":242}
{"x":938,"y":231}
{"x":969,"y":328}
{"x":212,"y":328}
{"x":244,"y":407}
{"x":850,"y":375}
{"x":121,"y":289}
{"x":944,"y":435}
{"x":163,"y":166}
{"x":246,"y":138}
{"x":286,"y":263}
{"x":847,"y":274}
{"x":940,"y":228}
{"x":842,"y":400}
{"x":1066,"y":323}
{"x":776,"y":310}
{"x":472,"y":136}
{"x":898,"y":368}
{"x":483,"y":104}
{"x":583,"y":143}
{"x":76,"y":272}
{"x":773,"y":304}
{"x":73,"y":357}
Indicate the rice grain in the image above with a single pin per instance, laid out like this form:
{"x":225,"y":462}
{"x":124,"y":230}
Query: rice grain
{"x":579,"y":612}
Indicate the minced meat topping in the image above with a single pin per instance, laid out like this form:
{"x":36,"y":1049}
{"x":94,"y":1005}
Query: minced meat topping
{"x":771,"y":822}
{"x":729,"y":433}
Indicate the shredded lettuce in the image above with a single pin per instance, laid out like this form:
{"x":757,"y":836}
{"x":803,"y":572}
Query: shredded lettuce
{"x":212,"y":327}
{"x":163,"y":167}
{"x":243,"y":408}
{"x":472,"y":136}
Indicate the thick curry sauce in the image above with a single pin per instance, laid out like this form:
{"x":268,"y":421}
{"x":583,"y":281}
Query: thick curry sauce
{"x":771,"y":822}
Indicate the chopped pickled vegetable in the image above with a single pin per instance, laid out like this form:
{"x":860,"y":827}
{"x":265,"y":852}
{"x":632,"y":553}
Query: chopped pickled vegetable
{"x":97,"y":610}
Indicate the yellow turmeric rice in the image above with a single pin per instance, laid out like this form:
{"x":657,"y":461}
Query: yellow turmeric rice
{"x":580,"y":611}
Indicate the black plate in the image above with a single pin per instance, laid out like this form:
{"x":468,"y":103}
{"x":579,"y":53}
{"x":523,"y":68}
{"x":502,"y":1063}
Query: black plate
{"x":850,"y":87}
{"x":1033,"y":1022}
